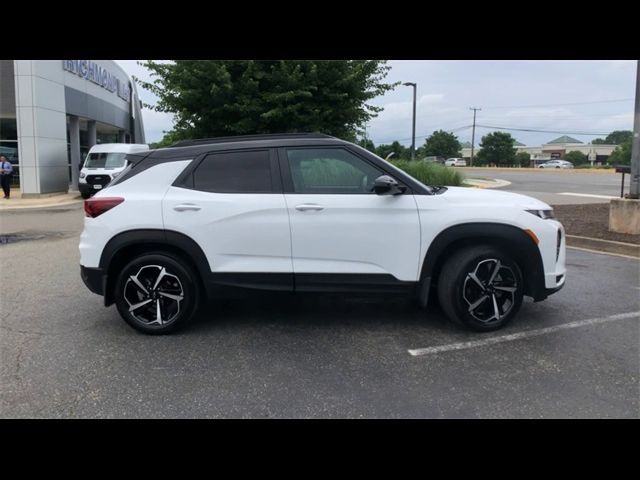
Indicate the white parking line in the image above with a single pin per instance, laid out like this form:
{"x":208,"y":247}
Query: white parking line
{"x":600,"y":252}
{"x":517,"y":336}
{"x":587,"y":195}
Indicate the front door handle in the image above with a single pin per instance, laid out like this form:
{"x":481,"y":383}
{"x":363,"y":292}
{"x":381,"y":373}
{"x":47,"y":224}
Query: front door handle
{"x":309,"y":206}
{"x":186,"y":206}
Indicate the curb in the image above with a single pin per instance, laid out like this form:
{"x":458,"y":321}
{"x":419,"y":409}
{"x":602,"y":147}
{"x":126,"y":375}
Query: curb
{"x":494,"y":183}
{"x":608,"y":246}
{"x":41,"y":205}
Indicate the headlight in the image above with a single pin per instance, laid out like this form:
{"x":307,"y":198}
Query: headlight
{"x":544,"y":214}
{"x":82,"y":175}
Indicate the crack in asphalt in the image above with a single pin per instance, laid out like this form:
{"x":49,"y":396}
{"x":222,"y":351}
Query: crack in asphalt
{"x":7,"y":238}
{"x":44,"y":334}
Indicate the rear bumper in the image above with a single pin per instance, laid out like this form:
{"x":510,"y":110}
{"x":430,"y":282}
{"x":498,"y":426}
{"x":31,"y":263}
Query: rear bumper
{"x":94,"y":278}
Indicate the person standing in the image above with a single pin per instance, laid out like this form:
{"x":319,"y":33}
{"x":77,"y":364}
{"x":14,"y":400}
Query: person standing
{"x":6,"y":173}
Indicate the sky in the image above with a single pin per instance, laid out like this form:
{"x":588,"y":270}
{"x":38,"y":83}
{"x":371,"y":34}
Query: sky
{"x":573,"y":96}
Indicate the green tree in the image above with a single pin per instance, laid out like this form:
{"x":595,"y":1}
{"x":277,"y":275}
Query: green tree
{"x":234,"y":97}
{"x":577,"y":158}
{"x":618,"y":137}
{"x":523,"y":159}
{"x":367,"y":143}
{"x":598,"y":141}
{"x":399,"y":151}
{"x":496,"y":148}
{"x":441,"y":144}
{"x":622,"y":154}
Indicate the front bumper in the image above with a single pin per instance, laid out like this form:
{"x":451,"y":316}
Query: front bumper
{"x":551,"y":291}
{"x":85,"y":188}
{"x":94,"y":278}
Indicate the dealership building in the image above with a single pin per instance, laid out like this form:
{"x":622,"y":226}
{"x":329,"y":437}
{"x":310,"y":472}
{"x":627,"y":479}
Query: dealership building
{"x":53,"y":111}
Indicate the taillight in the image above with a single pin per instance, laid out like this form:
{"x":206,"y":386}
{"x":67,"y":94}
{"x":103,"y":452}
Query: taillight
{"x":97,"y":206}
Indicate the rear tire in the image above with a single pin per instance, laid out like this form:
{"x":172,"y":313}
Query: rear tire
{"x":157,"y":293}
{"x":480,"y":288}
{"x":85,"y":195}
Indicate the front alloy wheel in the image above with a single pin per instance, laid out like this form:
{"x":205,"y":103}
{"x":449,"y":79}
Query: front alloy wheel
{"x":490,"y":291}
{"x":481,"y":288}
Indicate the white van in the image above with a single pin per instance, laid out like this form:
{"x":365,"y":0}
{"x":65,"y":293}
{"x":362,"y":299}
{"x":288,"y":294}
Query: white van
{"x":103,"y":164}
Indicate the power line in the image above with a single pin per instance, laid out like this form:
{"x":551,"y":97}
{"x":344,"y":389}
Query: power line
{"x":554,"y":117}
{"x":385,"y":142}
{"x":563,"y":104}
{"x":542,"y":131}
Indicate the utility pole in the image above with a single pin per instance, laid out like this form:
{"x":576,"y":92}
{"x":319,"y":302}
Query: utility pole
{"x":634,"y":191}
{"x":473,"y":134}
{"x":413,"y":136}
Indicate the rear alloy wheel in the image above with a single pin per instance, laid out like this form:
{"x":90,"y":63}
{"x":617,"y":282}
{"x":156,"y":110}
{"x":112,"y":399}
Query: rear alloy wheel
{"x":156,"y":294}
{"x":481,"y":288}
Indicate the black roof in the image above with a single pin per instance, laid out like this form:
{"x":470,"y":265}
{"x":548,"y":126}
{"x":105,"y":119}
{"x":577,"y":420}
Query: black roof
{"x":197,"y":146}
{"x":244,"y":138}
{"x":190,"y":149}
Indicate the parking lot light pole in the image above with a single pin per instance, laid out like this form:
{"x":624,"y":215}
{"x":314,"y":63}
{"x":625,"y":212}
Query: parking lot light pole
{"x":413,"y":135}
{"x":634,"y":191}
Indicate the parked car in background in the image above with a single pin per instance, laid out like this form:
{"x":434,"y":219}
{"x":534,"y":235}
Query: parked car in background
{"x":556,"y":164}
{"x":104,"y":163}
{"x":434,"y":159}
{"x":456,"y":162}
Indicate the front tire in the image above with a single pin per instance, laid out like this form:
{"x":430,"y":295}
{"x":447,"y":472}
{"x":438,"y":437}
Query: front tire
{"x":481,"y":288}
{"x":157,"y":293}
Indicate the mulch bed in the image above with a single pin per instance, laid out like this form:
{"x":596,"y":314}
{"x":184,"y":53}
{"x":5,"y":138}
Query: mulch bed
{"x":590,"y":220}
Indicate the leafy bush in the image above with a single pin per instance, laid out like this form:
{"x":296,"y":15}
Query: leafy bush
{"x":599,"y":167}
{"x":621,"y":155}
{"x":576,"y":157}
{"x":430,"y":173}
{"x":523,"y":159}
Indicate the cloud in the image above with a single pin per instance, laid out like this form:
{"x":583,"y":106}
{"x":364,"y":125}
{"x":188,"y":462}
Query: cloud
{"x":155,"y":124}
{"x":453,"y":86}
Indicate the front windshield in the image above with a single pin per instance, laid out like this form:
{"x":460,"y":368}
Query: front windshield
{"x":105,"y":160}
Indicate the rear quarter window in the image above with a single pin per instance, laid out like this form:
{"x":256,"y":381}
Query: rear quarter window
{"x":234,"y":172}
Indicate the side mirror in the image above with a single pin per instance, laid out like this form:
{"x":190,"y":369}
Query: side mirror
{"x":385,"y":185}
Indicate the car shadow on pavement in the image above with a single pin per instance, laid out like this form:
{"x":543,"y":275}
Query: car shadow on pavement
{"x":315,"y":310}
{"x":325,"y":312}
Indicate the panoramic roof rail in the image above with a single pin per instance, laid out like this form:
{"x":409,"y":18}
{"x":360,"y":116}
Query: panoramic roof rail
{"x":244,"y":138}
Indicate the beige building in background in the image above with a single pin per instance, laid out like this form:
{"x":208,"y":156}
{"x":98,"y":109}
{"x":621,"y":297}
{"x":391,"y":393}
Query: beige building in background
{"x":557,"y":149}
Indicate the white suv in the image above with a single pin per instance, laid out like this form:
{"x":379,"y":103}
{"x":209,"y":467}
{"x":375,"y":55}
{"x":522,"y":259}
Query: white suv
{"x":308,"y":213}
{"x":456,"y":162}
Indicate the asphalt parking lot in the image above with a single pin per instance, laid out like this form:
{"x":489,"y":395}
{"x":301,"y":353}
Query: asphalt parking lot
{"x":64,"y":355}
{"x":557,"y":187}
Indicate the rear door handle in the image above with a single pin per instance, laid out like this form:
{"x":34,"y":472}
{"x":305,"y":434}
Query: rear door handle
{"x":309,"y":206}
{"x":186,"y":206}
